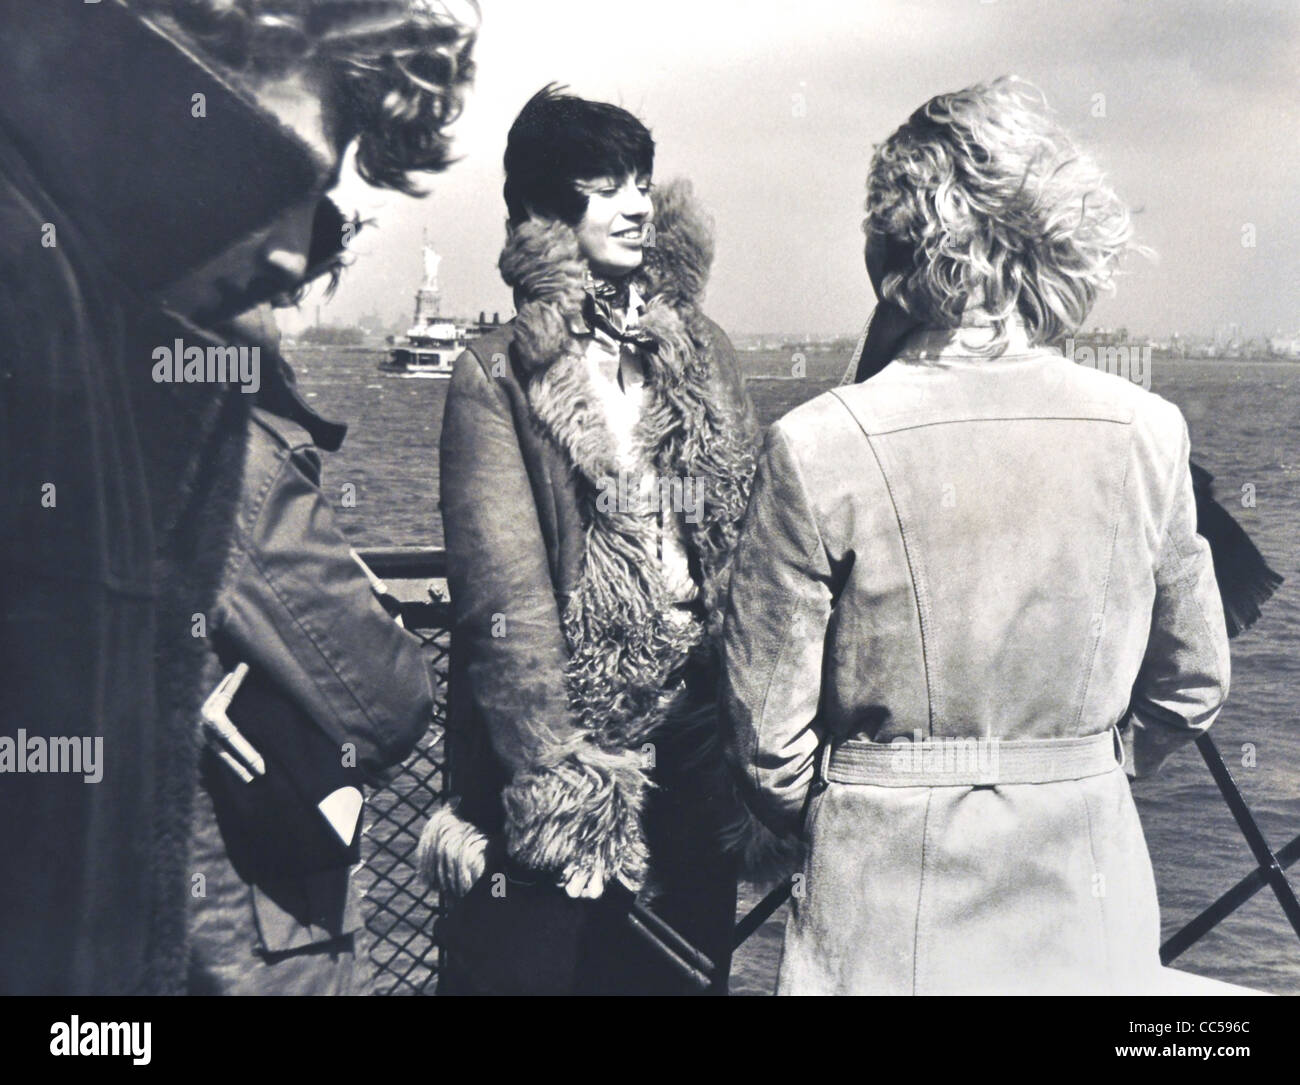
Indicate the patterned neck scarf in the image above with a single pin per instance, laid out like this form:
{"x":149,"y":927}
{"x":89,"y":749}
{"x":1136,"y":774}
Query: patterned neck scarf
{"x":605,"y":308}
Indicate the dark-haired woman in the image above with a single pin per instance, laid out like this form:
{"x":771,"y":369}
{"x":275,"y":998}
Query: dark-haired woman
{"x":596,"y":460}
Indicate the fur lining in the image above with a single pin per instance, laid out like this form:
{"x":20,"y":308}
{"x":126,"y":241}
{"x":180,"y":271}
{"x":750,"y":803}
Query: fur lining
{"x":202,"y":512}
{"x":677,"y":263}
{"x":627,"y":639}
{"x":624,"y":635}
{"x":450,"y":849}
{"x":580,"y":810}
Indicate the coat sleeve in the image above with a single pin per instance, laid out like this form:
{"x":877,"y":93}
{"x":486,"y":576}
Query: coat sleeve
{"x":1183,"y":681}
{"x":569,"y":804}
{"x":731,"y":388}
{"x":297,"y":604}
{"x":774,"y":637}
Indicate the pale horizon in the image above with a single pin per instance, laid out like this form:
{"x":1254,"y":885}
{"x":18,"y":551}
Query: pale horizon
{"x":1191,"y":107}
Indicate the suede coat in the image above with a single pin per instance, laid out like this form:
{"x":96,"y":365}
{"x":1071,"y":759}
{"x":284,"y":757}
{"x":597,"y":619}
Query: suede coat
{"x":567,"y":696}
{"x":1013,"y":559}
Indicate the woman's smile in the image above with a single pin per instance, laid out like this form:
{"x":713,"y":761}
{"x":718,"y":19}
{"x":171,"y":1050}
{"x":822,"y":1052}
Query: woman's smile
{"x":612,"y":233}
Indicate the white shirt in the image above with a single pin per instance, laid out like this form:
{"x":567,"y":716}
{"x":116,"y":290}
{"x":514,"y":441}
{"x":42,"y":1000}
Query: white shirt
{"x":617,"y":375}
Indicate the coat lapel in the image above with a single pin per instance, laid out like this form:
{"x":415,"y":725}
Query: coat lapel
{"x":625,"y":635}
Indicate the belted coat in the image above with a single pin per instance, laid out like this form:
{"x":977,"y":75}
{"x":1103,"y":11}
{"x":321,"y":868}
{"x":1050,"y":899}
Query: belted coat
{"x":997,"y":550}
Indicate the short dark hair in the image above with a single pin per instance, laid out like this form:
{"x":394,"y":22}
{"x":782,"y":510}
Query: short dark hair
{"x":559,"y":139}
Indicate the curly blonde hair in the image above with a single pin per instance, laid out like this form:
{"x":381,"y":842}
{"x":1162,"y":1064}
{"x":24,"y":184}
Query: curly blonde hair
{"x":395,"y":71}
{"x":982,"y":200}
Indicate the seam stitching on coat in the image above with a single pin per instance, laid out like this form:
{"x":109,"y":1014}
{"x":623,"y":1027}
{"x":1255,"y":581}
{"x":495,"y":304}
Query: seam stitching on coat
{"x":785,"y":644}
{"x":918,"y":586}
{"x":1101,"y":907}
{"x":920,"y":890}
{"x":1116,"y":502}
{"x":1194,"y":567}
{"x":903,"y":427}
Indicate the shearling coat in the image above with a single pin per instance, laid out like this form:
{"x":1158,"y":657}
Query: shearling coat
{"x":1011,"y":556}
{"x":574,"y":681}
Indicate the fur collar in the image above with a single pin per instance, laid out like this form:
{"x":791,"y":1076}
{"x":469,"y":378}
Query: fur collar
{"x":625,"y":636}
{"x":542,"y":263}
{"x":580,"y":807}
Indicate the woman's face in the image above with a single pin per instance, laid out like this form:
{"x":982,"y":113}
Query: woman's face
{"x":612,"y":234}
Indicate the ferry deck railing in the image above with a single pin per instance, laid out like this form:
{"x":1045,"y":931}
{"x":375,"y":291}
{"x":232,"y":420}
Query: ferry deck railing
{"x":400,"y":910}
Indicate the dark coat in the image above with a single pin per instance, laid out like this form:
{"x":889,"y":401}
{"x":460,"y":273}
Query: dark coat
{"x":120,"y":491}
{"x":296,"y":606}
{"x":103,"y":581}
{"x":568,"y":667}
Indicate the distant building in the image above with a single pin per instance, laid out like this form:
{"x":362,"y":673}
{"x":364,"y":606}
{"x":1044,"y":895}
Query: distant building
{"x":1284,"y":346}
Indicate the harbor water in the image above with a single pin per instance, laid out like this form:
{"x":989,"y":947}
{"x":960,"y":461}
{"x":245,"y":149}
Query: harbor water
{"x":1244,"y":418}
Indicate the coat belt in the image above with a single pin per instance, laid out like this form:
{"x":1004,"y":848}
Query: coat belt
{"x":970,"y":760}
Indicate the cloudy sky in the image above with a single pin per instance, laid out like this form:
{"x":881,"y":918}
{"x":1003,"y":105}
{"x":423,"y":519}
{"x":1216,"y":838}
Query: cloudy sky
{"x":771,"y":107}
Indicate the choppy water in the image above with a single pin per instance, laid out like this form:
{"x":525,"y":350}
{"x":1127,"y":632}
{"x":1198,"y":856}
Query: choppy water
{"x":1245,"y":425}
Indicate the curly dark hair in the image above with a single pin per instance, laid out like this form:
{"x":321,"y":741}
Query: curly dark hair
{"x":395,"y":71}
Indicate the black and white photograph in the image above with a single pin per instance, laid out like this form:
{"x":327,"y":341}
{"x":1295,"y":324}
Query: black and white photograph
{"x":675,"y":498}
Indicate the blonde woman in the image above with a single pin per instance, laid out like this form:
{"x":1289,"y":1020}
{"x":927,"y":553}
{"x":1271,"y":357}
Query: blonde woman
{"x":957,"y":578}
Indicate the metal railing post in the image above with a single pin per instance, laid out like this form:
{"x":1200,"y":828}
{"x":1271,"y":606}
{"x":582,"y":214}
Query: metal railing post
{"x":417,"y":563}
{"x":1270,"y":869}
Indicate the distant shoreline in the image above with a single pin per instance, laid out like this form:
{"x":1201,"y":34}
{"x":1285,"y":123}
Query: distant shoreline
{"x":841,"y":356}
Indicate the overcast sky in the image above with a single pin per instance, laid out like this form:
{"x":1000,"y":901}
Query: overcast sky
{"x":771,"y":107}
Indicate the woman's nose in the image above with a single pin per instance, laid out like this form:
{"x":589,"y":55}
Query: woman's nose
{"x":638,"y":206}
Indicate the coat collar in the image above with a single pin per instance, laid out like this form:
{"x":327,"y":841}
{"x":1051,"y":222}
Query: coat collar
{"x":967,"y":343}
{"x":622,"y":627}
{"x":541,"y":261}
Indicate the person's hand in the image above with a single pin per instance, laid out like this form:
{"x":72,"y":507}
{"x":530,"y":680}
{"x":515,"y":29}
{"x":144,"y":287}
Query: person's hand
{"x":584,"y":883}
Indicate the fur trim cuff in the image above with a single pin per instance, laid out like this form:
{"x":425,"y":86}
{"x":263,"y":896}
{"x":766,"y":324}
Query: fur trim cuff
{"x":452,"y":853}
{"x":580,"y":811}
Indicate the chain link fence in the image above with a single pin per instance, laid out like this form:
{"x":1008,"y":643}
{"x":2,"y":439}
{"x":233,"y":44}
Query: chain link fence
{"x":400,"y":957}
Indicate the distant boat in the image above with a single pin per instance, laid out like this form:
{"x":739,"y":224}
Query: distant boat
{"x":429,"y":351}
{"x":433,"y":342}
